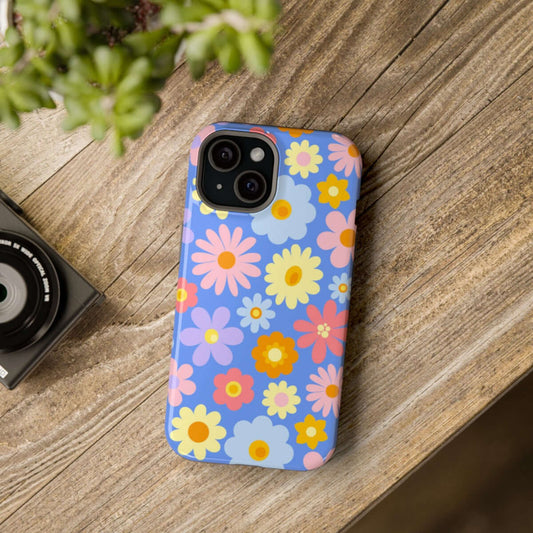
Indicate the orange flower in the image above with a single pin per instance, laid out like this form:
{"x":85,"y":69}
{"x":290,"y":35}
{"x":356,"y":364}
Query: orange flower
{"x":295,"y":132}
{"x":274,"y":354}
{"x":311,"y":431}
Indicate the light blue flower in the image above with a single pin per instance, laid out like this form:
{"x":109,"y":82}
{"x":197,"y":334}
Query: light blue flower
{"x":288,"y":215}
{"x":256,"y":313}
{"x":259,"y":443}
{"x":340,"y":288}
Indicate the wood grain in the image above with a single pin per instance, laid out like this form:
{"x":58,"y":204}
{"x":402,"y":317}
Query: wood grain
{"x":438,"y":97}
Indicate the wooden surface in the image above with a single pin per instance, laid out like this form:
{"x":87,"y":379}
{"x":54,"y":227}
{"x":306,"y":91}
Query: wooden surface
{"x":438,"y":97}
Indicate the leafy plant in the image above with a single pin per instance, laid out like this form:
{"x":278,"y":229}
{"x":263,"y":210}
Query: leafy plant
{"x":108,"y":58}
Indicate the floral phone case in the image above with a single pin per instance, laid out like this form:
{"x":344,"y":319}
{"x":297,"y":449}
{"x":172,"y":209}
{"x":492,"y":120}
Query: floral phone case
{"x":262,"y":310}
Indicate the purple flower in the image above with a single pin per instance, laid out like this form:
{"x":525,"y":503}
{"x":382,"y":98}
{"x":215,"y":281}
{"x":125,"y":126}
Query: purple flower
{"x":187,"y":235}
{"x":211,"y":336}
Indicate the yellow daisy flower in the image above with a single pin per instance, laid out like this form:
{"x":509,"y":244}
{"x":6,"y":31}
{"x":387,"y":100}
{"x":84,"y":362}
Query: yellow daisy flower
{"x":302,"y":158}
{"x":204,"y":208}
{"x":333,"y":191}
{"x":281,"y":399}
{"x":292,"y":276}
{"x":197,"y":431}
{"x":311,"y":431}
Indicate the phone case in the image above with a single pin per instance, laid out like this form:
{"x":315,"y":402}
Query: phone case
{"x":262,"y":310}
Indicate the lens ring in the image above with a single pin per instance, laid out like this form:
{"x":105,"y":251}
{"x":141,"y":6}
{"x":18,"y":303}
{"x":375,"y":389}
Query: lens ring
{"x":250,"y":187}
{"x":43,"y":295}
{"x":224,"y":155}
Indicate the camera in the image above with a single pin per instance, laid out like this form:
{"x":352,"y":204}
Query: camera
{"x":41,"y":295}
{"x":237,"y":171}
{"x":224,"y":155}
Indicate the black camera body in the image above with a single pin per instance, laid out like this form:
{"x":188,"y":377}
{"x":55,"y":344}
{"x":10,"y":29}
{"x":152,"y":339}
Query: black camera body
{"x":41,"y":295}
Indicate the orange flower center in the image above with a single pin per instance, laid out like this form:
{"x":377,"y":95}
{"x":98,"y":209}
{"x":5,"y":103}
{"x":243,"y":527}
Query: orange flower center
{"x":255,"y":312}
{"x":343,"y":287}
{"x":332,"y":391}
{"x":293,"y":275}
{"x":259,"y":450}
{"x":233,"y":389}
{"x":198,"y":431}
{"x":281,"y":209}
{"x":226,"y":260}
{"x":181,"y":295}
{"x":348,"y":238}
{"x":353,"y":151}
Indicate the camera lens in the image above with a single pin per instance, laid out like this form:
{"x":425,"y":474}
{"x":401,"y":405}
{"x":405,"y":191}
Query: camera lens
{"x":224,"y":155}
{"x":250,"y":186}
{"x":3,"y":293}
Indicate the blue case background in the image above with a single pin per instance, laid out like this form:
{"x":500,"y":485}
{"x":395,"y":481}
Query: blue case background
{"x":235,"y":427}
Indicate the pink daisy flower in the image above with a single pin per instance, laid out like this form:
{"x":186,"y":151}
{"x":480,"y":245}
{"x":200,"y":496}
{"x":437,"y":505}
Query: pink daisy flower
{"x":225,"y":260}
{"x":340,"y":239}
{"x":179,"y":383}
{"x":325,"y":390}
{"x":198,"y":140}
{"x":233,"y":389}
{"x":325,"y":331}
{"x":185,"y":295}
{"x":346,"y":154}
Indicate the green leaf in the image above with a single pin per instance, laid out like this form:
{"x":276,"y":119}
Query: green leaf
{"x":267,"y":9}
{"x":144,"y":42}
{"x":229,"y":57}
{"x":197,"y":67}
{"x":246,"y":7}
{"x":8,"y":115}
{"x":255,"y":52}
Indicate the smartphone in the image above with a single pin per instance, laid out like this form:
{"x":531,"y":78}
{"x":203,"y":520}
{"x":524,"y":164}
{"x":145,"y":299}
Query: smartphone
{"x":263,"y":296}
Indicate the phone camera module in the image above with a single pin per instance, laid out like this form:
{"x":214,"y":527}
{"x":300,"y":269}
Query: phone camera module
{"x":224,"y":155}
{"x":250,"y":186}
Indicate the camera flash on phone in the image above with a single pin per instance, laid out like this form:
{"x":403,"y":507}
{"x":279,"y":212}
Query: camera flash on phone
{"x":219,"y":186}
{"x":257,"y":154}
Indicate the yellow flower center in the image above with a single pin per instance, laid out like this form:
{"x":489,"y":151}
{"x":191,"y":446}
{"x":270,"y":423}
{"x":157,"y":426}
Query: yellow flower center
{"x":181,"y":295}
{"x":255,"y":312}
{"x":259,"y":450}
{"x":226,"y":260}
{"x":293,"y":276}
{"x":198,"y":431}
{"x":323,"y":330}
{"x":233,"y":389}
{"x":332,"y":391}
{"x":211,"y":336}
{"x":310,"y":431}
{"x":348,"y":238}
{"x":281,"y":209}
{"x":353,"y":151}
{"x":333,"y":191}
{"x":274,"y":355}
{"x":343,"y":287}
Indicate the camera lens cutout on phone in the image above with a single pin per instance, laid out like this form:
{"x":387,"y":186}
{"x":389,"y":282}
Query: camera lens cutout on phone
{"x":224,"y":155}
{"x":250,"y":186}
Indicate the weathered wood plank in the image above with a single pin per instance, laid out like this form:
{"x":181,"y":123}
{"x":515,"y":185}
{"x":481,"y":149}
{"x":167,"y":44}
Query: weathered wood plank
{"x":34,"y":152}
{"x":438,"y":319}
